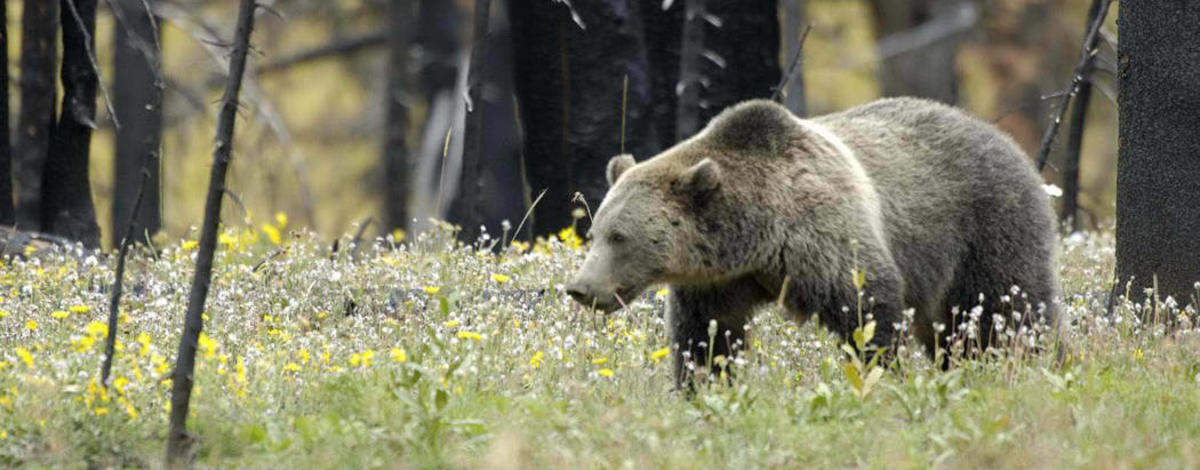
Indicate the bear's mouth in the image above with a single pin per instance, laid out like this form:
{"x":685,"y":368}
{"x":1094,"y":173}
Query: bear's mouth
{"x":608,"y":303}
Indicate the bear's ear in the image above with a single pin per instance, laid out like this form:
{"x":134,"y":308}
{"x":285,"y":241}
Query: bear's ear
{"x":618,"y":165}
{"x":701,"y":179}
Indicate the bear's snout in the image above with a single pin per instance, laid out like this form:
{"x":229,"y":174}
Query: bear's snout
{"x":591,"y":297}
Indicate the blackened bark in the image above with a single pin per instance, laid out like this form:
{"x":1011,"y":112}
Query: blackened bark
{"x":1158,"y":193}
{"x":137,"y":102}
{"x":570,"y":83}
{"x":1070,"y":177}
{"x":437,"y":39}
{"x":794,"y":29}
{"x":39,"y":26}
{"x":396,"y":184}
{"x":742,"y":58}
{"x":664,"y":41}
{"x":185,"y":362}
{"x":471,"y":185}
{"x":691,"y":79}
{"x":927,"y":72}
{"x":1096,"y":15}
{"x":67,"y":208}
{"x":7,"y":210}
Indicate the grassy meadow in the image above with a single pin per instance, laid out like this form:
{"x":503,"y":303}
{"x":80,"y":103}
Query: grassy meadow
{"x":427,"y":354}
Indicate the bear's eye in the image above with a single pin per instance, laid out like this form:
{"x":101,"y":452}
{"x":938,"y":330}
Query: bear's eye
{"x":616,"y":237}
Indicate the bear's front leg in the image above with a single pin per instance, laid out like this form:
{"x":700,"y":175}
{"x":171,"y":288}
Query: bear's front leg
{"x":691,"y":309}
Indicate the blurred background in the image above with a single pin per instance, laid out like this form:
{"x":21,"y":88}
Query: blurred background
{"x":346,"y":113}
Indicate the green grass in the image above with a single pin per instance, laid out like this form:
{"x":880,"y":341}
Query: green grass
{"x":499,"y":369}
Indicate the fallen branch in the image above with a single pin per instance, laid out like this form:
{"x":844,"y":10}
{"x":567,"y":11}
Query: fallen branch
{"x":338,"y":47}
{"x":185,"y":363}
{"x":1086,"y":54}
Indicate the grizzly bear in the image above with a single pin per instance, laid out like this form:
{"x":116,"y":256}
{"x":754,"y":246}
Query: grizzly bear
{"x":942,"y":211}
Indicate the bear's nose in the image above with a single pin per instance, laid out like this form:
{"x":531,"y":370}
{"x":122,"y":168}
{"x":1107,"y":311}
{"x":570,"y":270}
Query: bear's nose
{"x":579,"y":293}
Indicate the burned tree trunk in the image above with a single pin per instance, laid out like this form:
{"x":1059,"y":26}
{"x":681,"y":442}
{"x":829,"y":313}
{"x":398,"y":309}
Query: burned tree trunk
{"x":396,"y":184}
{"x":1158,"y":194}
{"x":67,"y":208}
{"x":570,"y":69}
{"x":919,"y":69}
{"x":794,"y":30}
{"x":193,"y":323}
{"x":471,"y":185}
{"x":7,"y":210}
{"x":137,"y":102}
{"x":39,"y":26}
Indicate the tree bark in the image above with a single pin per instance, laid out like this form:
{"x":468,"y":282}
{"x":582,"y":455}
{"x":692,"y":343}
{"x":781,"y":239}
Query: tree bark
{"x":39,"y":26}
{"x":471,"y":186}
{"x":793,"y":31}
{"x":8,"y":213}
{"x":1158,"y":192}
{"x":691,"y":79}
{"x":570,"y":83}
{"x":137,"y":102}
{"x":396,"y":184}
{"x":185,"y":362}
{"x":67,"y":208}
{"x":927,"y":72}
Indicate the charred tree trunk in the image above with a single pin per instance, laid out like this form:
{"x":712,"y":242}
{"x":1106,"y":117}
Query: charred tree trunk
{"x":794,"y":28}
{"x":39,"y":26}
{"x":437,"y":24}
{"x":178,"y":442}
{"x":570,"y":70}
{"x":927,"y":71}
{"x":1158,"y":193}
{"x":691,"y":79}
{"x":67,"y":208}
{"x":8,"y":213}
{"x":471,"y":185}
{"x":137,"y":102}
{"x":664,"y":43}
{"x":396,"y":184}
{"x":1070,"y":200}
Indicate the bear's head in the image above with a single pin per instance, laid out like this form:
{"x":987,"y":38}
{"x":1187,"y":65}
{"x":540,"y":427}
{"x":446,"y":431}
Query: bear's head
{"x":647,"y":229}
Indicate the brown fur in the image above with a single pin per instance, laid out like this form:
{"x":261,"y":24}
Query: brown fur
{"x":936,"y":206}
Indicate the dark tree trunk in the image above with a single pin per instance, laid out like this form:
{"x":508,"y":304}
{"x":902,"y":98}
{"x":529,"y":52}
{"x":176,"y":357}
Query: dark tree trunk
{"x":471,"y":185}
{"x":39,"y":26}
{"x":570,"y":84}
{"x":1070,"y":177}
{"x":691,"y":78}
{"x":67,"y":208}
{"x":794,"y":26}
{"x":742,"y":60}
{"x":927,"y":71}
{"x":437,"y":38}
{"x":137,"y":102}
{"x":664,"y":43}
{"x":8,"y":213}
{"x":1158,"y":192}
{"x":396,"y":184}
{"x":501,"y":172}
{"x":178,"y":442}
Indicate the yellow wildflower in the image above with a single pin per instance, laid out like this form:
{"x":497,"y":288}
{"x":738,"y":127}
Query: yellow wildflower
{"x":398,"y":355}
{"x":120,"y":383}
{"x":367,"y":357}
{"x":96,"y":328}
{"x":101,"y":411}
{"x":26,"y":356}
{"x":60,"y":314}
{"x":189,"y":245}
{"x":451,"y":323}
{"x":355,"y":360}
{"x":31,"y":325}
{"x":3,"y":313}
{"x":659,"y":354}
{"x":291,"y":367}
{"x":79,"y":309}
{"x":599,"y":360}
{"x":536,"y":361}
{"x":398,"y":235}
{"x":304,"y":356}
{"x":240,"y":367}
{"x":520,"y":246}
{"x":470,"y":335}
{"x":432,"y":290}
{"x":570,"y":238}
{"x":500,"y":278}
{"x":662,"y":292}
{"x":207,"y":345}
{"x":281,"y":219}
{"x":605,"y":372}
{"x":144,"y":340}
{"x":272,"y":233}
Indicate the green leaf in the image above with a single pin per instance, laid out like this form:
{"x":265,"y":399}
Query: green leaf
{"x":852,"y":374}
